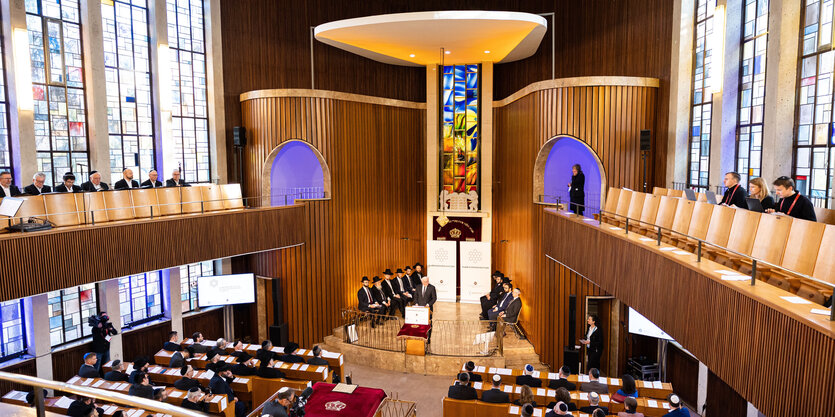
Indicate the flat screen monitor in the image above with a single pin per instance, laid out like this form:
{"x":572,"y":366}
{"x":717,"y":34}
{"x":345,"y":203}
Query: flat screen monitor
{"x":639,"y":324}
{"x":711,"y":197}
{"x":10,"y":205}
{"x":221,"y":290}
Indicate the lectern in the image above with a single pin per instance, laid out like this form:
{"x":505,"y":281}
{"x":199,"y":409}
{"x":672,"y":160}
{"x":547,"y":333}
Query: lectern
{"x":415,"y":330}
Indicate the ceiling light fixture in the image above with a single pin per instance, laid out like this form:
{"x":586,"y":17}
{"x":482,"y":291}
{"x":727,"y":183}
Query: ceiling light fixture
{"x":486,"y":52}
{"x":447,"y":52}
{"x":411,"y":55}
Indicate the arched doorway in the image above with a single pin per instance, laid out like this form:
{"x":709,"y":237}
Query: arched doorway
{"x":552,"y":172}
{"x":295,"y":170}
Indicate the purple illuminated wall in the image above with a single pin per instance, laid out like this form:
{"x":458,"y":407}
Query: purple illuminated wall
{"x":566,"y":152}
{"x":296,"y":171}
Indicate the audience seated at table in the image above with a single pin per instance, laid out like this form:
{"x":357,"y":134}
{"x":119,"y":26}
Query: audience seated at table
{"x":561,"y":395}
{"x":187,"y":381}
{"x":526,"y":410}
{"x":194,"y":402}
{"x":495,"y":394}
{"x":734,"y":193}
{"x":289,"y":355}
{"x":317,"y":357}
{"x":83,"y":407}
{"x":245,"y":366}
{"x":213,"y":361}
{"x":219,"y":384}
{"x":116,"y":373}
{"x":525,"y":396}
{"x":594,"y":383}
{"x":630,"y":406}
{"x":677,"y":409}
{"x":140,"y":365}
{"x":560,"y":409}
{"x":198,"y":345}
{"x":37,"y":187}
{"x":462,"y":390}
{"x":266,"y":369}
{"x":178,"y":359}
{"x":265,"y":353}
{"x":88,"y":368}
{"x":470,"y":367}
{"x":562,"y":380}
{"x":238,"y":349}
{"x":757,"y":188}
{"x":791,"y":202}
{"x":594,"y":403}
{"x":220,"y":347}
{"x":173,"y":343}
{"x":527,"y":379}
{"x":142,"y":386}
{"x":628,"y":389}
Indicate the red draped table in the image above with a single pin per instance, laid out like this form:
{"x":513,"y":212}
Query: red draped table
{"x":363,"y":402}
{"x":415,"y":336}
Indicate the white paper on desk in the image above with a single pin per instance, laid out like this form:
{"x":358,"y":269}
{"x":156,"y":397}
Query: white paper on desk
{"x":604,"y":398}
{"x":332,"y":355}
{"x":304,"y":367}
{"x":535,"y":374}
{"x":666,"y":405}
{"x":295,"y":366}
{"x":73,"y":380}
{"x":614,"y":228}
{"x":737,"y":277}
{"x":518,"y":389}
{"x":514,"y":409}
{"x":322,"y":369}
{"x":583,"y":378}
{"x":87,"y":382}
{"x":135,"y":412}
{"x":584,"y":396}
{"x":129,"y":370}
{"x":217,"y":398}
{"x":647,"y":239}
{"x":99,"y":383}
{"x":681,"y":252}
{"x":614,"y":381}
{"x":175,"y":394}
{"x":508,"y":389}
{"x":668,"y":249}
{"x":156,"y":370}
{"x":551,"y":393}
{"x":657,"y":385}
{"x":503,"y":371}
{"x":229,"y":359}
{"x":540,"y":391}
{"x":603,"y":380}
{"x":552,"y":375}
{"x":823,"y":311}
{"x":477,"y":385}
{"x":491,"y":371}
{"x":110,"y":409}
{"x":223,"y":403}
{"x":209,"y":343}
{"x":726,"y":272}
{"x":646,"y":384}
{"x":341,"y":359}
{"x":241,"y":380}
{"x":537,"y":412}
{"x":587,"y":219}
{"x":63,"y":402}
{"x":208,"y":374}
{"x":652,"y":404}
{"x":796,"y":300}
{"x":173,"y":372}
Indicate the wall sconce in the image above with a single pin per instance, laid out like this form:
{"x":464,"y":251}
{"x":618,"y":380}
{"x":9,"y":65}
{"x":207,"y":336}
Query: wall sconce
{"x":23,"y":69}
{"x":717,"y":44}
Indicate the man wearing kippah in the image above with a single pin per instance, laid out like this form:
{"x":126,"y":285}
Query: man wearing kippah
{"x":495,"y":395}
{"x":676,"y":408}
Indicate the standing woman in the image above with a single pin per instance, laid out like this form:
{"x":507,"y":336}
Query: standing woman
{"x":757,"y":188}
{"x":593,"y":342}
{"x":577,"y":192}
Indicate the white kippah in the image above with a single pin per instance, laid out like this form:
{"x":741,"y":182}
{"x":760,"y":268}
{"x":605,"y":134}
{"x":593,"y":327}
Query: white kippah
{"x":283,"y":389}
{"x":594,"y":396}
{"x":675,"y":400}
{"x":497,"y":378}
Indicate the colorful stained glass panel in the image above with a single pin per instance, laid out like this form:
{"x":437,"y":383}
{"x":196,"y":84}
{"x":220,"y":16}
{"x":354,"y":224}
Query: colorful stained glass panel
{"x":460,"y":145}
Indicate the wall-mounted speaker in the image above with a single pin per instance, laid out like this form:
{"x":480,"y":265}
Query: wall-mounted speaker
{"x":572,"y":320}
{"x":646,"y":141}
{"x":239,"y":136}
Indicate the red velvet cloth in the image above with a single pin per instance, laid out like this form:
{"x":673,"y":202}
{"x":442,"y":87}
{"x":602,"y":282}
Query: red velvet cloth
{"x":363,"y":402}
{"x":414,"y":331}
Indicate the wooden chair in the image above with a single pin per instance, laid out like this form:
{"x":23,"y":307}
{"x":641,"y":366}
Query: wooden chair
{"x":611,"y":205}
{"x":742,"y":233}
{"x":491,"y":410}
{"x":699,"y":223}
{"x":649,"y":213}
{"x":802,"y":249}
{"x":192,"y":199}
{"x":824,"y":270}
{"x":675,"y":193}
{"x":636,"y":206}
{"x":824,"y":215}
{"x":681,"y":220}
{"x":145,"y":202}
{"x":92,"y":204}
{"x":665,"y":214}
{"x":119,"y":205}
{"x":232,"y":196}
{"x":659,"y":191}
{"x":62,"y":210}
{"x":770,"y":243}
{"x":212,"y":197}
{"x":719,"y":230}
{"x":169,"y":201}
{"x":456,"y":408}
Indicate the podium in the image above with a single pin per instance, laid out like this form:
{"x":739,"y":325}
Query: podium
{"x":415,"y":330}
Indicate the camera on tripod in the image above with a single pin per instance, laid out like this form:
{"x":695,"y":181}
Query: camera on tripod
{"x":297,"y":409}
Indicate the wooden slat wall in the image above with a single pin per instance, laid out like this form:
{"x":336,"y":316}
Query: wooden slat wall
{"x":115,"y":250}
{"x":210,"y":323}
{"x":377,"y":162}
{"x":67,"y":362}
{"x":146,"y":341}
{"x":755,"y":348}
{"x":609,"y":119}
{"x":24,"y":368}
{"x":683,"y":373}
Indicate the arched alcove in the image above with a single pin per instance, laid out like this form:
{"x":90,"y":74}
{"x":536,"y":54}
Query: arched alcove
{"x":295,"y":170}
{"x":552,"y":172}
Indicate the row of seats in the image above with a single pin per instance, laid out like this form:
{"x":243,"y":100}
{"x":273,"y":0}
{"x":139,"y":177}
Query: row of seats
{"x":73,"y":209}
{"x":458,"y":408}
{"x":801,"y":247}
{"x":61,"y":405}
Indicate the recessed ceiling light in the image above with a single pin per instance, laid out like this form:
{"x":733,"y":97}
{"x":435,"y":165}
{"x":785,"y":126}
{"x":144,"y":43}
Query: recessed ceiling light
{"x":486,"y":52}
{"x":411,"y":55}
{"x":447,"y":52}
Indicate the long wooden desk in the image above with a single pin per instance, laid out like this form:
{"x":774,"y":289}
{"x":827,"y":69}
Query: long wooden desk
{"x":300,"y":371}
{"x":168,"y":376}
{"x":476,"y":408}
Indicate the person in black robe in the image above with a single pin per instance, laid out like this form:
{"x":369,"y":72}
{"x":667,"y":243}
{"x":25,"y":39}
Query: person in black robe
{"x":490,"y":300}
{"x":391,"y":293}
{"x":379,"y":297}
{"x":577,"y":191}
{"x":289,"y":355}
{"x":244,"y":367}
{"x":194,"y":402}
{"x":791,"y":202}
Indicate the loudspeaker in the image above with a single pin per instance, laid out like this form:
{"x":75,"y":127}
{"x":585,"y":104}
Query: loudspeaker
{"x":571,"y":359}
{"x":280,"y":335}
{"x":239,"y":136}
{"x":278,"y":302}
{"x":646,"y":141}
{"x":572,"y":321}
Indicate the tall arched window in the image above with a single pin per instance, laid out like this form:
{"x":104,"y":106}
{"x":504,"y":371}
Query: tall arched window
{"x":58,"y":87}
{"x":702,"y":104}
{"x":814,"y":154}
{"x":749,"y":131}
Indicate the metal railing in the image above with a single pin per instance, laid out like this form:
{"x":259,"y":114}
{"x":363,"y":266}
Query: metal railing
{"x":40,"y":384}
{"x":700,"y":244}
{"x":591,"y":200}
{"x":358,"y":330}
{"x":391,"y":407}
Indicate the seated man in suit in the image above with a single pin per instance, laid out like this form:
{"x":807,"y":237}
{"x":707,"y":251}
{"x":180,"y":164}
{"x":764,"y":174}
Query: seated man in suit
{"x":199,"y":347}
{"x":630,"y":406}
{"x":406,"y":287}
{"x":193,"y":401}
{"x":378,"y":294}
{"x":116,"y":373}
{"x":152,"y":181}
{"x":219,"y":384}
{"x":470,"y":367}
{"x":462,"y":389}
{"x":528,"y":379}
{"x":677,"y":409}
{"x":489,"y":300}
{"x":366,"y":303}
{"x":188,"y":381}
{"x":7,"y":189}
{"x":265,"y":353}
{"x":283,"y":402}
{"x":173,"y":343}
{"x":594,"y":403}
{"x":394,"y":297}
{"x":68,"y":186}
{"x":175,"y":180}
{"x":511,"y":313}
{"x":238,"y":349}
{"x":178,"y":359}
{"x":94,"y":184}
{"x":140,"y":365}
{"x":735,"y":194}
{"x":244,"y":367}
{"x":127,"y":181}
{"x":317,"y":357}
{"x":594,"y":384}
{"x":503,"y":301}
{"x":213,"y":361}
{"x":37,"y":186}
{"x":142,"y":386}
{"x":83,"y":407}
{"x":289,"y":355}
{"x":425,"y":295}
{"x":220,"y":347}
{"x":88,"y":369}
{"x":266,"y":369}
{"x":562,"y":380}
{"x":495,"y":395}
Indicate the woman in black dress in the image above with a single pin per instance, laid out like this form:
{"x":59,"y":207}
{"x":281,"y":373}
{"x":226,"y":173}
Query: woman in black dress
{"x":577,"y":191}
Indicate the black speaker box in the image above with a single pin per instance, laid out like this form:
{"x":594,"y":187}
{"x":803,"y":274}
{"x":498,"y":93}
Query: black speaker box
{"x":571,"y":359}
{"x":646,"y":141}
{"x":572,"y":320}
{"x":280,"y":335}
{"x":239,"y":136}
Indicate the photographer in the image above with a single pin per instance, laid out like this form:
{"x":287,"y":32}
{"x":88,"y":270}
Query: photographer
{"x":102,"y":332}
{"x":282,"y":403}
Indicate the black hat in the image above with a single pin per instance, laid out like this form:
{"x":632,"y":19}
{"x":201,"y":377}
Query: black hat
{"x":387,"y":271}
{"x":399,"y":271}
{"x":184,"y":370}
{"x":222,"y":367}
{"x":243,"y":357}
{"x":116,"y":363}
{"x":69,"y":176}
{"x":93,"y":172}
{"x":418,"y":265}
{"x":408,"y":267}
{"x":498,"y":273}
{"x":364,"y":279}
{"x":211,"y":355}
{"x":470,"y":365}
{"x":139,"y":363}
{"x":376,"y":279}
{"x":527,"y":409}
{"x":291,"y":347}
{"x":505,"y":280}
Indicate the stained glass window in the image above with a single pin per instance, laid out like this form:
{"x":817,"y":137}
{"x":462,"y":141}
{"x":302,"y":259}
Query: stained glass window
{"x":752,"y":89}
{"x":188,"y":282}
{"x":5,"y":142}
{"x":69,"y":310}
{"x":814,"y":143}
{"x":186,"y":41}
{"x":128,"y":85}
{"x":58,"y":88}
{"x":460,"y":130}
{"x":13,"y":335}
{"x":702,"y":106}
{"x":140,"y":298}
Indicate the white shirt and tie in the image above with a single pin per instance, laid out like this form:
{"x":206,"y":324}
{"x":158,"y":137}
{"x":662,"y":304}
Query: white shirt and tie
{"x":7,"y":191}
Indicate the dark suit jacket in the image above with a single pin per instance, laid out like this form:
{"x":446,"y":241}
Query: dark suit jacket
{"x":172,"y":347}
{"x":177,"y":360}
{"x":32,"y":190}
{"x":462,"y":392}
{"x":90,"y":188}
{"x":403,"y":286}
{"x":735,"y":196}
{"x":79,"y":408}
{"x":596,"y":341}
{"x":511,"y":314}
{"x":497,"y":292}
{"x":274,"y":409}
{"x":12,"y":189}
{"x":144,"y":391}
{"x":389,"y":288}
{"x":495,"y":396}
{"x":290,"y":358}
{"x":219,"y":386}
{"x":317,"y":361}
{"x":201,"y":406}
{"x":87,"y":371}
{"x":123,"y":185}
{"x":363,"y":299}
{"x":186,"y":384}
{"x":243,"y":370}
{"x":200,"y":348}
{"x":236,"y":353}
{"x":474,"y":377}
{"x":267,"y":372}
{"x":170,"y":183}
{"x":218,"y":351}
{"x":116,"y":376}
{"x":503,"y":302}
{"x":562,"y":383}
{"x":61,"y":188}
{"x":378,"y":295}
{"x":414,"y":279}
{"x":589,"y":409}
{"x":147,"y":184}
{"x":428,"y":298}
{"x":529,"y":381}
{"x":594,"y":387}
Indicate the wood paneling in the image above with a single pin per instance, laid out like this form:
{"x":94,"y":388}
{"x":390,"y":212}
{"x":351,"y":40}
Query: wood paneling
{"x":750,"y":338}
{"x":683,"y":373}
{"x":66,"y":362}
{"x":608,"y":119}
{"x":97,"y":253}
{"x":723,"y":400}
{"x":24,"y":368}
{"x":375,"y":218}
{"x":145,"y":341}
{"x":210,"y":323}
